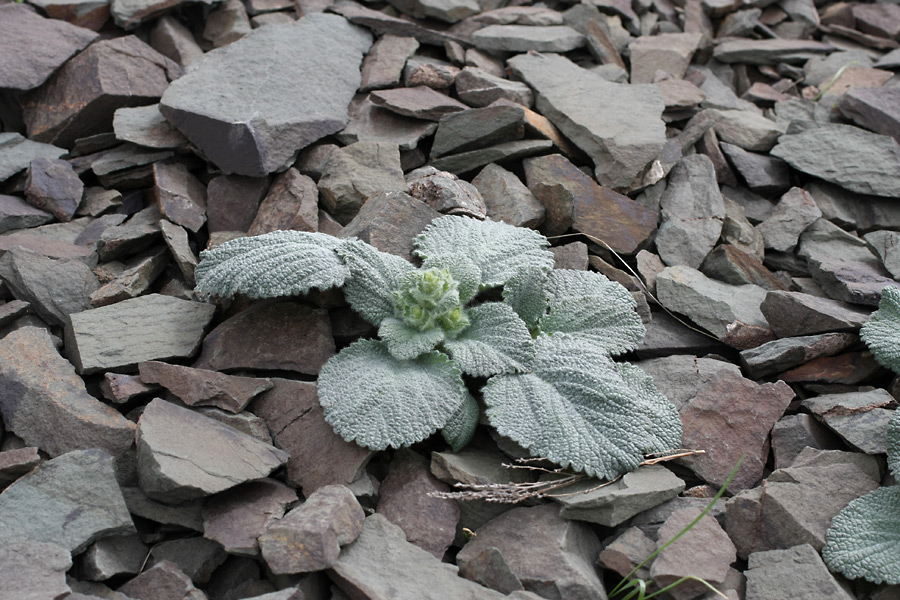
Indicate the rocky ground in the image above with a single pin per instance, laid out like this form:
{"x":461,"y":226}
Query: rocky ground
{"x":740,"y":156}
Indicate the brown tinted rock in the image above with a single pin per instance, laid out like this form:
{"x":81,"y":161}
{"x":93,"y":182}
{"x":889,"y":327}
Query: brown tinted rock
{"x":874,"y":108}
{"x":769,"y":51}
{"x":792,"y":433}
{"x":162,"y":581}
{"x":145,"y":126}
{"x":729,"y":418}
{"x":280,"y":335}
{"x":237,"y":517}
{"x":15,"y":213}
{"x":859,"y":418}
{"x":434,"y":73}
{"x":477,"y":88}
{"x":31,"y":569}
{"x":197,"y":557}
{"x":778,"y":355}
{"x":355,"y":173}
{"x":309,"y":538}
{"x":15,"y":463}
{"x":465,"y":162}
{"x":180,"y":196}
{"x":34,"y":47}
{"x":45,"y":403}
{"x":507,"y":199}
{"x":172,"y":39}
{"x":80,"y":99}
{"x":793,"y":314}
{"x":729,"y":264}
{"x":420,"y":102}
{"x":138,"y":233}
{"x":371,"y":123}
{"x":199,"y":387}
{"x":384,"y":63}
{"x":228,"y":22}
{"x":112,"y":556}
{"x":626,"y":552}
{"x":476,"y":128}
{"x":186,"y":514}
{"x":17,"y":152}
{"x":796,"y":572}
{"x":232,"y":201}
{"x":53,"y":186}
{"x":446,"y":193}
{"x":291,"y":203}
{"x":573,"y":255}
{"x":381,"y":23}
{"x":389,"y":221}
{"x":119,"y":388}
{"x":851,"y":369}
{"x":176,"y":239}
{"x":183,"y":455}
{"x":667,"y":52}
{"x":135,"y":280}
{"x":318,"y":456}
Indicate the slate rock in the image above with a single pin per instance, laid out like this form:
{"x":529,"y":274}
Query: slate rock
{"x":748,"y":130}
{"x":15,"y":463}
{"x":355,"y":173}
{"x":798,"y":502}
{"x":779,"y":355}
{"x":507,"y":199}
{"x":35,"y":47}
{"x":613,"y":504}
{"x":183,"y":455}
{"x":17,"y":152}
{"x":136,"y":279}
{"x":389,"y":221}
{"x":525,"y":38}
{"x":476,"y":128}
{"x":186,"y":515}
{"x":105,"y":338}
{"x":372,"y":123}
{"x":81,"y":98}
{"x":113,"y":555}
{"x":34,"y":570}
{"x":797,"y":572}
{"x":795,"y":211}
{"x":46,"y":404}
{"x":197,"y":557}
{"x":278,"y":335}
{"x":432,"y":72}
{"x":680,"y":377}
{"x":232,"y":202}
{"x":129,"y":14}
{"x":383,"y":65}
{"x":532,"y":548}
{"x":666,"y":335}
{"x":692,"y":212}
{"x":145,"y":126}
{"x":622,"y":140}
{"x":181,"y":197}
{"x":573,"y":255}
{"x":475,"y":159}
{"x":792,"y":433}
{"x":859,"y":418}
{"x":54,"y":288}
{"x":731,"y":417}
{"x":170,"y":38}
{"x":873,"y":108}
{"x":449,"y":11}
{"x":404,"y":498}
{"x":476,"y":87}
{"x":626,"y":552}
{"x":259,"y":127}
{"x":419,"y":102}
{"x":70,"y":500}
{"x":704,"y":551}
{"x":792,"y":314}
{"x":226,"y":23}
{"x":727,"y":263}
{"x":667,"y":52}
{"x":850,"y":368}
{"x":855,"y":159}
{"x":762,"y":173}
{"x":53,"y":185}
{"x":769,"y":51}
{"x":380,"y":24}
{"x":235,"y":518}
{"x":853,"y":211}
{"x":309,"y":538}
{"x":318,"y":456}
{"x":446,"y":193}
{"x":15,"y":213}
{"x":176,"y":239}
{"x":382,"y":565}
{"x":200,"y":387}
{"x":162,"y":581}
{"x":709,"y":303}
{"x":291,"y":203}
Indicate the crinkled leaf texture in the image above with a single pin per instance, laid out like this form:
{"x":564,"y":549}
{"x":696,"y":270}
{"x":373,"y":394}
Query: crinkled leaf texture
{"x":893,"y":446}
{"x":461,"y":427}
{"x":882,"y":331}
{"x":589,"y":307}
{"x":405,"y":342}
{"x":280,"y":263}
{"x":498,"y":249}
{"x":581,"y":410}
{"x":496,"y":341}
{"x":462,"y":269}
{"x":372,"y":398}
{"x":374,"y":275}
{"x":525,"y":294}
{"x":864,"y":538}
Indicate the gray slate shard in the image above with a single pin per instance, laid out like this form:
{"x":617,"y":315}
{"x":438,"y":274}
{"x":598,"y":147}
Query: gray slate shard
{"x":34,"y":47}
{"x":876,"y":109}
{"x":113,"y":555}
{"x":782,"y":354}
{"x":54,"y":186}
{"x":183,"y":455}
{"x":45,"y":403}
{"x":853,"y":158}
{"x":248,"y":122}
{"x":420,"y":102}
{"x":128,"y":14}
{"x":197,"y":557}
{"x":34,"y":570}
{"x":474,"y":159}
{"x":623,"y":139}
{"x":860,"y":418}
{"x":476,"y":128}
{"x":794,"y":212}
{"x":17,"y":152}
{"x":793,"y":314}
{"x":763,"y":174}
{"x":145,"y":126}
{"x":71,"y":501}
{"x":449,"y":11}
{"x":371,"y":123}
{"x":770,"y":51}
{"x":797,"y":572}
{"x":507,"y":199}
{"x":383,"y":65}
{"x":886,"y":245}
{"x":527,"y":38}
{"x":152,"y":327}
{"x":479,"y":88}
{"x":237,"y":517}
{"x":15,"y":213}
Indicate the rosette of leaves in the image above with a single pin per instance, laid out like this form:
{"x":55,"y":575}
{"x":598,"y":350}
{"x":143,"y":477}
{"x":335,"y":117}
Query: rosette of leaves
{"x":864,"y":538}
{"x":486,"y":304}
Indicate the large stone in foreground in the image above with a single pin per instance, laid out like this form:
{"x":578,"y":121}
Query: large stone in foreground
{"x":251,"y":105}
{"x":623,"y":138}
{"x":71,"y":501}
{"x":184,"y":455}
{"x":45,"y":403}
{"x":796,"y":573}
{"x":34,"y":570}
{"x":153,"y":327}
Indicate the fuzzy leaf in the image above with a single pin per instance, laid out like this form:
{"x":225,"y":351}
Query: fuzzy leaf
{"x":881,"y":331}
{"x":280,"y":263}
{"x":525,"y":293}
{"x":374,"y":274}
{"x":864,"y":538}
{"x":581,"y":410}
{"x":461,"y":427}
{"x":405,"y":342}
{"x":497,"y":341}
{"x":376,"y":400}
{"x":893,"y":446}
{"x":591,"y":308}
{"x":462,"y":269}
{"x":498,"y":249}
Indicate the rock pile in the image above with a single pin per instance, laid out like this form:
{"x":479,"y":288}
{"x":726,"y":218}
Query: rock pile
{"x":735,"y":163}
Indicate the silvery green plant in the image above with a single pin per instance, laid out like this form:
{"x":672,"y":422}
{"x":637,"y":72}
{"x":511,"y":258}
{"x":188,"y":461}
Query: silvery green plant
{"x":486,"y":303}
{"x":864,"y":538}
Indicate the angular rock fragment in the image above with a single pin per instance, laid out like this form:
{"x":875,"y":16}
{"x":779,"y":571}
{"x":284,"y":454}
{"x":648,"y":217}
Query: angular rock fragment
{"x":475,"y":159}
{"x":626,"y":552}
{"x":70,"y":500}
{"x":622,"y":140}
{"x":291,"y":203}
{"x":186,"y":514}
{"x":727,"y":263}
{"x":667,"y":52}
{"x":164,"y":577}
{"x":34,"y":569}
{"x":748,"y":130}
{"x":227,"y":23}
{"x":166,"y":327}
{"x":762,"y":173}
{"x":383,"y":65}
{"x":420,"y":102}
{"x":446,"y":193}
{"x":477,"y":128}
{"x":309,"y":538}
{"x":797,"y":572}
{"x":260,"y":127}
{"x":507,"y":199}
{"x":850,"y":368}
{"x":197,"y":557}
{"x":859,"y":418}
{"x":792,"y":433}
{"x":476,"y":87}
{"x":779,"y":355}
{"x":15,"y":213}
{"x":237,"y":517}
{"x":355,"y":173}
{"x":145,"y":126}
{"x":792,"y":314}
{"x":180,"y":196}
{"x":199,"y":387}
{"x":769,"y":52}
{"x":449,"y":11}
{"x":170,"y":38}
{"x":381,"y":23}
{"x":874,"y":109}
{"x":54,"y":186}
{"x":232,"y":202}
{"x":372,"y":123}
{"x":176,"y":239}
{"x":113,"y":555}
{"x":15,"y":463}
{"x":525,"y":38}
{"x":389,"y":221}
{"x":17,"y":152}
{"x":794,"y":212}
{"x":183,"y":455}
{"x":136,"y":279}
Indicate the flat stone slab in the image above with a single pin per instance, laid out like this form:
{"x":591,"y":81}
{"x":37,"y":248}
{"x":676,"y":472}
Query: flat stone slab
{"x":34,"y":569}
{"x":797,"y":572}
{"x":71,"y":501}
{"x":17,"y":152}
{"x":251,"y":122}
{"x":792,"y":314}
{"x":200,"y":387}
{"x":859,"y":418}
{"x":152,"y":327}
{"x":782,"y":354}
{"x":45,"y":403}
{"x":525,"y":38}
{"x":183,"y":455}
{"x":769,"y":52}
{"x":623,"y":139}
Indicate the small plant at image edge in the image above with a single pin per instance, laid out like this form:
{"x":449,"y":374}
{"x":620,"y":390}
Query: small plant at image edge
{"x":864,"y":538}
{"x":484,"y":302}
